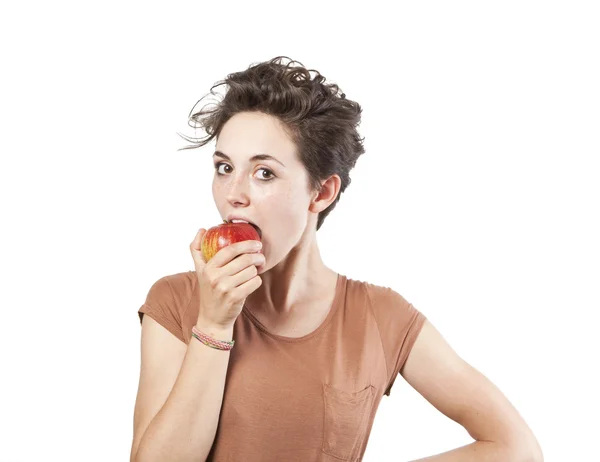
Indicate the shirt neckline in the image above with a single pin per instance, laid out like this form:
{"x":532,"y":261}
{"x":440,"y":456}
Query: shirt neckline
{"x":340,"y":292}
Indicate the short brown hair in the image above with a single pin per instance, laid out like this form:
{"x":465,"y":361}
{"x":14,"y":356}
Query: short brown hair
{"x":317,"y":116}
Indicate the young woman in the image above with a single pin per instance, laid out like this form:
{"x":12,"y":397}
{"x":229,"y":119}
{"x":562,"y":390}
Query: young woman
{"x":314,"y":351}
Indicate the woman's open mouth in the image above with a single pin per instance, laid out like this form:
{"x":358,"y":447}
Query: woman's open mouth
{"x":252,"y":224}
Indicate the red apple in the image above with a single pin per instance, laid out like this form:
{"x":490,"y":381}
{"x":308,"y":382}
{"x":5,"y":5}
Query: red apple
{"x":225,"y":234}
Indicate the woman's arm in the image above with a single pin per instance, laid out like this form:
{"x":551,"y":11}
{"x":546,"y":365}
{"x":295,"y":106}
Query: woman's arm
{"x":466,"y":396}
{"x":183,"y":427}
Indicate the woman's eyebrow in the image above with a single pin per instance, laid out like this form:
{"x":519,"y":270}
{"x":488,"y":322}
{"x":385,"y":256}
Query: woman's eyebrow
{"x":253,"y":158}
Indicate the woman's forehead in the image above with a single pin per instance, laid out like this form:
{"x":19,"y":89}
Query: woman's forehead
{"x":254,"y":127}
{"x":247,"y":137}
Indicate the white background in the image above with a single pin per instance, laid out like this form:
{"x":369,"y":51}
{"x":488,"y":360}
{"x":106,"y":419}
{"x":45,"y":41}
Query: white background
{"x":477,"y":199}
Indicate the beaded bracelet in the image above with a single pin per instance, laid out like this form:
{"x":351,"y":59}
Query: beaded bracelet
{"x":211,"y":342}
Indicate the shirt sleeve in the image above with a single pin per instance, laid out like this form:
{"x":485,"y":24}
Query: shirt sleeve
{"x":399,"y":324}
{"x":161,"y":306}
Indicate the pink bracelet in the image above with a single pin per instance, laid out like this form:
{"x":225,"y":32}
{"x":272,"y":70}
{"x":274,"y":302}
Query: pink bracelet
{"x":211,"y":342}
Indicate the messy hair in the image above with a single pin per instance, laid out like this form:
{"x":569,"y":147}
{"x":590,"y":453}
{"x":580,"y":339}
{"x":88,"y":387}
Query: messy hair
{"x":317,"y":117}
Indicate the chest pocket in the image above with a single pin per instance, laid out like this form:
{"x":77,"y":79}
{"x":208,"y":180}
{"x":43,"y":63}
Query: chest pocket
{"x":345,"y":422}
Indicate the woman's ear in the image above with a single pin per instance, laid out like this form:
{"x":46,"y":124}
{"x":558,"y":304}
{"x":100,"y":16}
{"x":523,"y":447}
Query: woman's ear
{"x":330,"y":188}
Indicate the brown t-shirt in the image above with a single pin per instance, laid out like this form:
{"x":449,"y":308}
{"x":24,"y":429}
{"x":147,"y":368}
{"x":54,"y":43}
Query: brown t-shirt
{"x":312,"y":398}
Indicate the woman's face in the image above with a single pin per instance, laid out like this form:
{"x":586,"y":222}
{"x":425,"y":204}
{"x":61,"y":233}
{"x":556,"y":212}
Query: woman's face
{"x":271,"y":193}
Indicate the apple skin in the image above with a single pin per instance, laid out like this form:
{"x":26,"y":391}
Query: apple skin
{"x":225,"y":234}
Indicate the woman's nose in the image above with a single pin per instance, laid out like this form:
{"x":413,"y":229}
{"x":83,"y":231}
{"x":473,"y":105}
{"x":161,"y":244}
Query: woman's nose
{"x":238,"y":191}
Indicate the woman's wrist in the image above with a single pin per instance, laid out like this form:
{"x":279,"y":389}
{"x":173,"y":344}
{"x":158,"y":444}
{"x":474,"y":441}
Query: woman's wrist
{"x":215,"y":331}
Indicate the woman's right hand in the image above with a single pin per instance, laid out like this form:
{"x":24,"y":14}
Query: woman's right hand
{"x":226,"y":280}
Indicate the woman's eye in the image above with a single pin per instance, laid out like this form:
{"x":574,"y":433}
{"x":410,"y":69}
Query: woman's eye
{"x":268,"y":171}
{"x":270,"y":174}
{"x":220,"y":164}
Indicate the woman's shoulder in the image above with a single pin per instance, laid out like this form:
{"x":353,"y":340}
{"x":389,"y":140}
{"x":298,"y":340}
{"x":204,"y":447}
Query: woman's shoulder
{"x":172,"y":291}
{"x":184,"y":280}
{"x":382,"y":299}
{"x":168,"y":301}
{"x":175,"y":282}
{"x":374,"y":290}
